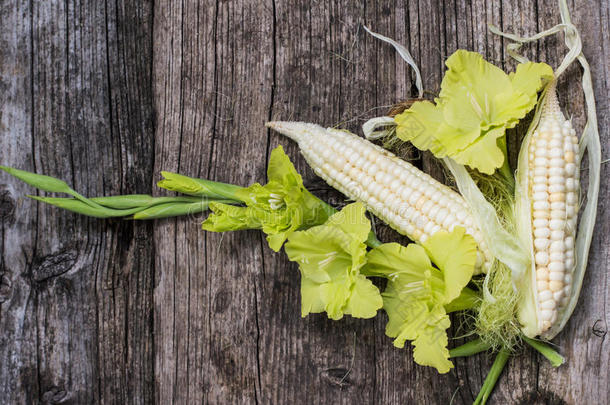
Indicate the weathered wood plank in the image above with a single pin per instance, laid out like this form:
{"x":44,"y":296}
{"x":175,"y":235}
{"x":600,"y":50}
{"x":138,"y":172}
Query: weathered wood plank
{"x":78,"y":106}
{"x":317,"y":45}
{"x":18,"y":346}
{"x":113,"y":312}
{"x":213,"y":86}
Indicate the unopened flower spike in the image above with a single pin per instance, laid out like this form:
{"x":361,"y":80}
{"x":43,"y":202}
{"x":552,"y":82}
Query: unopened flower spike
{"x":278,"y":208}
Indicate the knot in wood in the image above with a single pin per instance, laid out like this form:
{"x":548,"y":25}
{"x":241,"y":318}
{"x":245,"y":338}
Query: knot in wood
{"x":337,"y":376}
{"x":5,"y":287}
{"x":54,"y":395}
{"x":541,"y":397}
{"x":7,"y":205}
{"x":54,"y":265}
{"x":599,"y":329}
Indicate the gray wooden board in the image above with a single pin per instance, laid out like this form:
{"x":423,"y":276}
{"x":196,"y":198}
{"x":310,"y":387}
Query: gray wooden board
{"x":106,"y":94}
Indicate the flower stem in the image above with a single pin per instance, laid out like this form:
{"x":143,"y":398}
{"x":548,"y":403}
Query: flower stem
{"x":492,"y":377}
{"x":122,"y":202}
{"x":469,"y":348}
{"x":170,"y":209}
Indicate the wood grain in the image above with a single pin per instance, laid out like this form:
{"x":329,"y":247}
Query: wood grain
{"x":107,"y":94}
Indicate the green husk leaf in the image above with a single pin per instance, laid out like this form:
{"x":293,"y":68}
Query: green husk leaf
{"x":547,"y":351}
{"x":504,"y":246}
{"x":405,"y":55}
{"x":589,"y":143}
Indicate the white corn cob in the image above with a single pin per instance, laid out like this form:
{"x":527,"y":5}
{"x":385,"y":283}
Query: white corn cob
{"x":407,"y":199}
{"x":552,"y":189}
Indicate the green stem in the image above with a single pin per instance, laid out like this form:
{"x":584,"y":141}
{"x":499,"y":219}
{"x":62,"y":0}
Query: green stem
{"x":492,"y":377}
{"x":547,"y":351}
{"x":176,"y":209}
{"x":127,"y":201}
{"x":85,"y":200}
{"x":147,"y":210}
{"x":372,"y":240}
{"x":326,"y":207}
{"x":469,"y":348}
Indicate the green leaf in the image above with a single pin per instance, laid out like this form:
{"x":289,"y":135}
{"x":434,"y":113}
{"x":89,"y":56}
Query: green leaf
{"x":122,"y":202}
{"x":477,"y":103}
{"x":53,"y":185}
{"x":279,"y":208}
{"x":152,"y":208}
{"x":79,"y":207}
{"x":468,"y":299}
{"x":42,"y":182}
{"x":330,"y":257}
{"x":455,"y":254}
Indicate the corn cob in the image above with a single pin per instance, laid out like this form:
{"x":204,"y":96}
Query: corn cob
{"x":407,"y":199}
{"x":552,"y":191}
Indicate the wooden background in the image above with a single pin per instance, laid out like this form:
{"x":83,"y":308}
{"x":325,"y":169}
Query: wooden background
{"x":105,"y":94}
